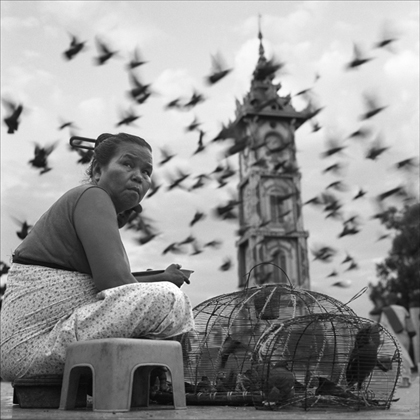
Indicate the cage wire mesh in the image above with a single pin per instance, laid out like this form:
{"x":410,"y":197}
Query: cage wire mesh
{"x":219,"y":353}
{"x":325,"y":360}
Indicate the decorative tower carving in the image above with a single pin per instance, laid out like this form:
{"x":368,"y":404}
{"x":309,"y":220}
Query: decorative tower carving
{"x":270,"y":214}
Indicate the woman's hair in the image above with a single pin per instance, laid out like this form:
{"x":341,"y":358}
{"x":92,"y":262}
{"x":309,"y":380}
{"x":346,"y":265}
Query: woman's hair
{"x":106,"y":147}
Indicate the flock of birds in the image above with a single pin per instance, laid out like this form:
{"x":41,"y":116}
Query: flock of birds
{"x":224,"y":172}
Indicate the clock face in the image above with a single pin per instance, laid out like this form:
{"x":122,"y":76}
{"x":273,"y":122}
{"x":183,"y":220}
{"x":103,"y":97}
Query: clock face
{"x":277,"y":140}
{"x":273,"y":141}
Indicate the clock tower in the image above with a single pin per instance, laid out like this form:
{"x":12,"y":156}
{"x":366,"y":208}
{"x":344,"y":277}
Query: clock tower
{"x":270,"y":213}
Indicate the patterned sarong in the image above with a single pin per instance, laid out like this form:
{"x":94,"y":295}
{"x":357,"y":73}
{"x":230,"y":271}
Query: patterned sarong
{"x":45,"y":309}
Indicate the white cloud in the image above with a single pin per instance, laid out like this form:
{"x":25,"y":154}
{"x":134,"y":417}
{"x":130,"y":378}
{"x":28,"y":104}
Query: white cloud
{"x":92,"y":107}
{"x":403,"y":68}
{"x":9,"y":23}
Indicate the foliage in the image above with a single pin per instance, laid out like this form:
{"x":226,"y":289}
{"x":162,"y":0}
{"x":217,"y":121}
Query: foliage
{"x":399,"y":272}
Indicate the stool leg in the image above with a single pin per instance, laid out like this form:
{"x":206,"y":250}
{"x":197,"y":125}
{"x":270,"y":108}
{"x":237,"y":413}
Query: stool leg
{"x":70,"y":386}
{"x":141,"y":387}
{"x":178,"y":386}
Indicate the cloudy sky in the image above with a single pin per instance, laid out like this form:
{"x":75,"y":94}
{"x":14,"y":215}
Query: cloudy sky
{"x":177,"y":39}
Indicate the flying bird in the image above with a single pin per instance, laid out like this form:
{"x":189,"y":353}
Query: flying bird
{"x":333,"y":147}
{"x":342,"y":283}
{"x":85,"y":154}
{"x":360,"y":133}
{"x":338,"y":186}
{"x":177,"y":180}
{"x":197,"y":217}
{"x":40,"y":159}
{"x":196,"y":248}
{"x":167,"y":155}
{"x":397,"y":191}
{"x":358,"y":58}
{"x":353,"y":266}
{"x":75,"y":48}
{"x":268,"y":68}
{"x":154,"y":187}
{"x":174,"y":247}
{"x":139,"y":92}
{"x":12,"y":120}
{"x":372,"y":106}
{"x":127,"y":117}
{"x":361,"y":193}
{"x":324,"y":253}
{"x":216,"y":244}
{"x":194,"y":100}
{"x":388,"y":37}
{"x":376,"y":149}
{"x":173,"y":104}
{"x":4,"y":268}
{"x":25,"y":228}
{"x":335,"y":169}
{"x":201,"y":181}
{"x":136,"y":60}
{"x":218,"y":69}
{"x":65,"y":124}
{"x":407,"y":164}
{"x":348,"y":258}
{"x":226,"y":265}
{"x":200,"y":145}
{"x":193,"y":125}
{"x":104,"y":52}
{"x":316,"y":126}
{"x":333,"y":273}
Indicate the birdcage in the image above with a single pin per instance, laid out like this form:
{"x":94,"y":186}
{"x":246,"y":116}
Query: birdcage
{"x":326,"y":360}
{"x":218,"y":353}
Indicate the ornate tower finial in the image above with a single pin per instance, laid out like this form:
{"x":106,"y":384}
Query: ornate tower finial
{"x":260,"y":37}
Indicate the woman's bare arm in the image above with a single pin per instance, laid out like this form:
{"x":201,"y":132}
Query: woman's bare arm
{"x":96,"y":225}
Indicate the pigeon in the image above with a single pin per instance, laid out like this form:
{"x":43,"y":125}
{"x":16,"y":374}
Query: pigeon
{"x":75,"y":48}
{"x":363,"y":357}
{"x":327,"y":387}
{"x":40,"y":159}
{"x":324,"y":253}
{"x":358,"y":58}
{"x":24,"y":228}
{"x":218,"y":70}
{"x":136,"y":60}
{"x":127,"y":117}
{"x":12,"y":120}
{"x":280,"y":384}
{"x":372,"y":107}
{"x":139,"y":92}
{"x":104,"y":52}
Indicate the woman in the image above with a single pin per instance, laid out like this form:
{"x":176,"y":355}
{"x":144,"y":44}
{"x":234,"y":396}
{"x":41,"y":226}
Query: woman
{"x":71,"y":280}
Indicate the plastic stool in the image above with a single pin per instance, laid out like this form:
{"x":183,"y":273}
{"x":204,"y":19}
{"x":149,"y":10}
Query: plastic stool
{"x":120,"y":369}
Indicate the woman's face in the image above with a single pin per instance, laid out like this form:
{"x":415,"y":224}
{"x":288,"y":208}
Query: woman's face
{"x":127,"y":176}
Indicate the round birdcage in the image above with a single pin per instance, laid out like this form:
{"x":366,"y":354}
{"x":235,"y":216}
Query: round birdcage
{"x":325,"y":360}
{"x":218,"y":353}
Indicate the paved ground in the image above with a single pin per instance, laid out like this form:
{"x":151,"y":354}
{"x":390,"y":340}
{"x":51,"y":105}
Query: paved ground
{"x":406,"y":408}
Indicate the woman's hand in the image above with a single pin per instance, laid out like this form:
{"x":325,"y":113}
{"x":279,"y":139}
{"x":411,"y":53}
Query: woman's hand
{"x":174,"y":275}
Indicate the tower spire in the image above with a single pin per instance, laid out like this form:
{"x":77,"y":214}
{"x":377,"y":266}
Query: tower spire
{"x":261,"y":56}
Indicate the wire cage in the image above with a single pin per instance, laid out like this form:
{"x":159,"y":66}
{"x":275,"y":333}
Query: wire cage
{"x":218,"y":353}
{"x":326,"y":360}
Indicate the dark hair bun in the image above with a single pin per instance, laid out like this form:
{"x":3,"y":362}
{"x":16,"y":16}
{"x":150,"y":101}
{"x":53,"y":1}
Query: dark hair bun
{"x":102,"y":137}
